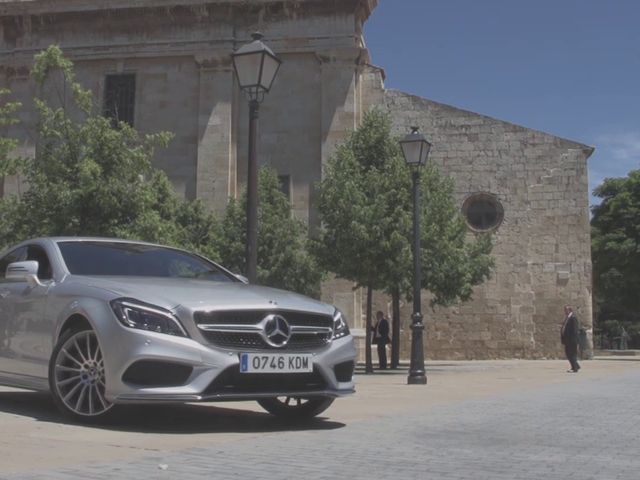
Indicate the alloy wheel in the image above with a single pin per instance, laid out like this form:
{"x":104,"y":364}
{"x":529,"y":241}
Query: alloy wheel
{"x":79,"y":375}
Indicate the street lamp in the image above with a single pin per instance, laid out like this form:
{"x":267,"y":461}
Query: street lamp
{"x":256,"y":67}
{"x":415,"y":149}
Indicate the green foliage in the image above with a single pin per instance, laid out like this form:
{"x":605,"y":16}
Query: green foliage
{"x":609,"y":334}
{"x":199,"y":229}
{"x":362,"y":200}
{"x":91,"y":178}
{"x":9,"y":164}
{"x":453,"y":261}
{"x":283,"y":257}
{"x":615,"y":237}
{"x":9,"y":220}
{"x":366,"y":211}
{"x":52,"y":59}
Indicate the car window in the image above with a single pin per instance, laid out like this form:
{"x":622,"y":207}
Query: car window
{"x":17,"y":255}
{"x":132,"y":259}
{"x":37,"y":253}
{"x":194,"y":268}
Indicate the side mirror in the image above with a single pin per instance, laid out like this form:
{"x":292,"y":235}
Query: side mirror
{"x":24,"y":272}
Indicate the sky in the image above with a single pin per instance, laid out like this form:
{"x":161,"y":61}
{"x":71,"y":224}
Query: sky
{"x":567,"y":67}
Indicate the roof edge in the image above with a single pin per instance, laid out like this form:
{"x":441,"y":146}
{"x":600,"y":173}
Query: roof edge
{"x":572,"y":144}
{"x":40,"y":7}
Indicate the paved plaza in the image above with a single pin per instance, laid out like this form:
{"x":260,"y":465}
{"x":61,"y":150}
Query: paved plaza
{"x":474,"y":420}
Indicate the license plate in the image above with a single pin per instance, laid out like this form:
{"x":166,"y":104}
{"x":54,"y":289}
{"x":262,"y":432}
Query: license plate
{"x":275,"y":362}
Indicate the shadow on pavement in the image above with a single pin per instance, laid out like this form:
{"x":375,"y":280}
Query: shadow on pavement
{"x":164,"y":419}
{"x":404,"y":370}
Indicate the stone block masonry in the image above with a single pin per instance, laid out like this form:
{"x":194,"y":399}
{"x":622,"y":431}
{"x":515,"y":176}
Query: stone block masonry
{"x":542,"y":246}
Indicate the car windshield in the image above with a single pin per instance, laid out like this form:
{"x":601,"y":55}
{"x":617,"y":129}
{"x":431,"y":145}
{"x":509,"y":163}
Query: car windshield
{"x":132,"y":259}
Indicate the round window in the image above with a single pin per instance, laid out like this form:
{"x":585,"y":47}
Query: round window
{"x":483,"y":212}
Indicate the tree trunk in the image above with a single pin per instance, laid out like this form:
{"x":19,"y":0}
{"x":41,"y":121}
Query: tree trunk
{"x":395,"y":319}
{"x":368,"y":360}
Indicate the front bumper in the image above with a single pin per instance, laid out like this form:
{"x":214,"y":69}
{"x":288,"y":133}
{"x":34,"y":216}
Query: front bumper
{"x":124,"y":347}
{"x":184,"y":398}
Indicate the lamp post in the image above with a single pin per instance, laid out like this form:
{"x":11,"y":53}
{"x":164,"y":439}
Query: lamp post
{"x":256,"y":67}
{"x":415,"y":149}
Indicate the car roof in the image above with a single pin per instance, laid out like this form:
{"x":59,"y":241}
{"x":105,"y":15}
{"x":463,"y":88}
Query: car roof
{"x":90,"y":239}
{"x":80,"y":239}
{"x":95,"y":239}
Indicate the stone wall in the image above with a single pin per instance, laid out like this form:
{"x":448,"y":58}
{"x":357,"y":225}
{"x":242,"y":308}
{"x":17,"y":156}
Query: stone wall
{"x":542,"y":247}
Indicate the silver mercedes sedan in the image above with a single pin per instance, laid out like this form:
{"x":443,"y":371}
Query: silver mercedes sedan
{"x":104,"y":322}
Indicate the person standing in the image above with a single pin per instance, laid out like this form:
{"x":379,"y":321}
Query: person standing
{"x":381,"y":338}
{"x":624,"y":339}
{"x":569,"y":337}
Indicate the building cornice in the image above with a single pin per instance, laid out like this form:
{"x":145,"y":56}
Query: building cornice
{"x":44,"y":7}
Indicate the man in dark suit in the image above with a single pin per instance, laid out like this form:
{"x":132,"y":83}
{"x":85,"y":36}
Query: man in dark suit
{"x":569,"y":337}
{"x":381,"y":338}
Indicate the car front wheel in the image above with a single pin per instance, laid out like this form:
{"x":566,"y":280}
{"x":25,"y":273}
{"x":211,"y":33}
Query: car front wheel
{"x":76,"y":376}
{"x":295,"y":408}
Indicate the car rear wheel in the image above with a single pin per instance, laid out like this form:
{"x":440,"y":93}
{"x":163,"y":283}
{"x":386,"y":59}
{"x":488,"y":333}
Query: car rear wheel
{"x":295,"y":408}
{"x":77,"y":378}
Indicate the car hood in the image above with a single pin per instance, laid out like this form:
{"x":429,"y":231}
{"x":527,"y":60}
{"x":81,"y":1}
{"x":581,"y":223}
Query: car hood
{"x":171,"y":293}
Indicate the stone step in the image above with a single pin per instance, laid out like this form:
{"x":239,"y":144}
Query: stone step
{"x":618,"y":353}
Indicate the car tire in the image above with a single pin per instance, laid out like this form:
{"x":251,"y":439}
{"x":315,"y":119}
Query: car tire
{"x":295,"y":408}
{"x":76,"y":377}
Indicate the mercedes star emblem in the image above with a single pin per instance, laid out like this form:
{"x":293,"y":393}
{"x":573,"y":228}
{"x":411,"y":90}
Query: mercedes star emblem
{"x":276,"y":330}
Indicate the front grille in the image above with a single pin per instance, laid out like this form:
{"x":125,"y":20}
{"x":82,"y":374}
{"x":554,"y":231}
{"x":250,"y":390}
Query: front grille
{"x":232,"y":381}
{"x":243,"y":340}
{"x":218,"y":329}
{"x":253,"y":341}
{"x":252,"y":317}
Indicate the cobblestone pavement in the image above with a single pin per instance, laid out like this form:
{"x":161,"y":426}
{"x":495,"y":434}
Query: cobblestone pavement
{"x":576,"y":429}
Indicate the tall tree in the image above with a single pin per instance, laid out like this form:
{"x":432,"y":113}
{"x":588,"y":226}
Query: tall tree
{"x":90,"y":177}
{"x":284,"y":260}
{"x":363,"y":200}
{"x":365,"y":207}
{"x":615,"y":237}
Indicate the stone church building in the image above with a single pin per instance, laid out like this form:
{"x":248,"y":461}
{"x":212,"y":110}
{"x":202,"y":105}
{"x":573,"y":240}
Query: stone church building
{"x":167,"y":64}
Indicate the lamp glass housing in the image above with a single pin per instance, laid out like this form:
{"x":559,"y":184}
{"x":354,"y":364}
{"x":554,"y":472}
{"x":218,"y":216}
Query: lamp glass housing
{"x":415,"y":148}
{"x":256,"y":66}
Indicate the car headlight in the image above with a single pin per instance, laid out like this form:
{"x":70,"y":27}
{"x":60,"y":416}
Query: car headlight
{"x":135,"y":314}
{"x":340,"y":327}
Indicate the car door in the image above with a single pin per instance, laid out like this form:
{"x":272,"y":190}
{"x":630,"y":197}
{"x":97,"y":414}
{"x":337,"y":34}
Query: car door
{"x":7,"y":318}
{"x":27,"y":344}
